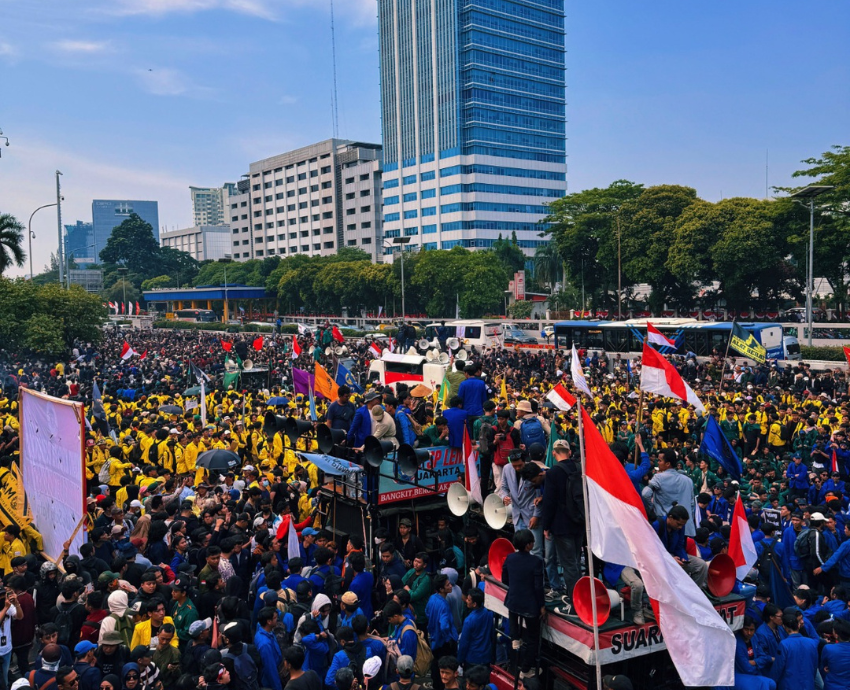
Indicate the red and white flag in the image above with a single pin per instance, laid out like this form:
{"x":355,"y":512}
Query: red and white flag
{"x":123,"y":307}
{"x":834,"y":462}
{"x":337,"y":335}
{"x":127,"y":351}
{"x":741,"y":546}
{"x":375,"y":350}
{"x":657,"y":338}
{"x":658,"y":376}
{"x":699,"y":641}
{"x":391,"y":345}
{"x":578,"y":374}
{"x":472,"y":481}
{"x":561,"y":398}
{"x":130,"y":308}
{"x":144,"y":355}
{"x":296,"y":348}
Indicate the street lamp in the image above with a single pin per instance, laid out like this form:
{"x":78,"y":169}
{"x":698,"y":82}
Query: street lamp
{"x":61,"y":255}
{"x":810,"y":192}
{"x":401,"y":241}
{"x":32,"y":234}
{"x":226,"y":260}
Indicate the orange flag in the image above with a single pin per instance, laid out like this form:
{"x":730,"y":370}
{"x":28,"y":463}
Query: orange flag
{"x":325,"y":384}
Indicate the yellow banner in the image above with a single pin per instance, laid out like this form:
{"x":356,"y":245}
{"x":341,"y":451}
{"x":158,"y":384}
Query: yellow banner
{"x":746,"y":343}
{"x":13,"y":502}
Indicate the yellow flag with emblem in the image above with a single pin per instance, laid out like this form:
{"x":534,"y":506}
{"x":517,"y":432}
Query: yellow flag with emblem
{"x":745,"y":342}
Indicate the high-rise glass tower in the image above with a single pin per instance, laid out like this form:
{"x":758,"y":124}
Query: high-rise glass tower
{"x":473,"y":117}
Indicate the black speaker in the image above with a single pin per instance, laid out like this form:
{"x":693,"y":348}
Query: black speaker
{"x":410,"y":459}
{"x":295,"y":428}
{"x":327,"y":438}
{"x":375,"y":451}
{"x":273,"y":423}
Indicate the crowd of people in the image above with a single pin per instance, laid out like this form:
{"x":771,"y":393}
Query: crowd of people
{"x":185,"y":578}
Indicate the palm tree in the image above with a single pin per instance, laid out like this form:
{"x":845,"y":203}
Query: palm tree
{"x":547,"y":265}
{"x":11,"y":238}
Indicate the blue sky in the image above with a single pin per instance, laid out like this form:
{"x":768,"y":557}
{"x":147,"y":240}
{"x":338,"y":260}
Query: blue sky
{"x":142,"y":98}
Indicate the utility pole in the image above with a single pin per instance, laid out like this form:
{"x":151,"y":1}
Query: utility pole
{"x":61,"y":252}
{"x":619,"y":274}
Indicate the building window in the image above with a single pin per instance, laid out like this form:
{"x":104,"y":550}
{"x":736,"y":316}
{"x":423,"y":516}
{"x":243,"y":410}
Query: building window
{"x":366,"y":224}
{"x":317,"y":246}
{"x":327,"y":199}
{"x":365,"y":192}
{"x":326,"y":169}
{"x":366,"y":240}
{"x":316,"y":232}
{"x":349,"y":180}
{"x":328,"y":231}
{"x":390,"y":217}
{"x":328,"y":214}
{"x":427,"y":176}
{"x":302,"y":176}
{"x":350,"y":195}
{"x":365,"y":209}
{"x":329,"y":245}
{"x":352,"y":226}
{"x":351,"y":243}
{"x":326,"y":185}
{"x":259,"y":252}
{"x":409,"y":179}
{"x":350,"y":211}
{"x":411,"y":214}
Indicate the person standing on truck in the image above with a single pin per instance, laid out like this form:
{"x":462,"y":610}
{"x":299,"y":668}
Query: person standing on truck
{"x":473,"y":393}
{"x":525,"y":600}
{"x":407,"y":543}
{"x":341,"y":411}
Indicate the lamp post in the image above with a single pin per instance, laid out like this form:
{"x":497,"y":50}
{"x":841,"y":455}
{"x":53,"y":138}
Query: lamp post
{"x":809,"y":193}
{"x":123,"y":272}
{"x":226,"y":260}
{"x":401,"y":241}
{"x":61,"y":251}
{"x":32,"y":234}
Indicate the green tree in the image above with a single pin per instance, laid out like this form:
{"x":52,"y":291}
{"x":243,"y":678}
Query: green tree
{"x":832,"y":168}
{"x":11,"y":239}
{"x":179,"y":264}
{"x":509,"y":254}
{"x":548,"y":266}
{"x":483,"y":284}
{"x":521,"y":309}
{"x":158,"y":282}
{"x":122,"y":291}
{"x":132,"y":244}
{"x":41,"y":335}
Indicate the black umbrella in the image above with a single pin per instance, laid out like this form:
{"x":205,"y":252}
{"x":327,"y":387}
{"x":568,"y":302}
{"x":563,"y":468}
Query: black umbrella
{"x":219,"y":460}
{"x":171,"y":409}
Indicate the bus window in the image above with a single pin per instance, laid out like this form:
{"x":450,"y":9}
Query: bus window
{"x":617,"y":339}
{"x":695,"y":342}
{"x":717,"y":341}
{"x":595,"y":340}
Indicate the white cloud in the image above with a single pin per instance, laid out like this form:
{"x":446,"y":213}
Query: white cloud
{"x":7,"y":50}
{"x":165,"y":81}
{"x":257,"y":8}
{"x":288,"y":99}
{"x":81,"y":47}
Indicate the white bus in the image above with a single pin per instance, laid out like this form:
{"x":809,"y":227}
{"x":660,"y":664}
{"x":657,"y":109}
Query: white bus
{"x":479,"y":334}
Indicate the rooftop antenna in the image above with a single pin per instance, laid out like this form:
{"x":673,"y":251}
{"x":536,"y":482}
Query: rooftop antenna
{"x":333,"y":57}
{"x":766,"y":162}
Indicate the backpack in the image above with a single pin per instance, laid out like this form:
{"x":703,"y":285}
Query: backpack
{"x":484,"y":437}
{"x":64,"y":621}
{"x":763,"y":563}
{"x":356,"y":661}
{"x":803,"y":545}
{"x":299,"y":609}
{"x":103,"y":474}
{"x":424,"y":655}
{"x":153,"y":453}
{"x":531,"y":431}
{"x":573,"y":510}
{"x":124,"y":626}
{"x":331,"y":585}
{"x":49,"y":683}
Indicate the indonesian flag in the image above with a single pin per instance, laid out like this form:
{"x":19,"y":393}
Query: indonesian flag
{"x":561,"y":398}
{"x":834,"y":462}
{"x":127,"y":351}
{"x":296,"y":348}
{"x":375,"y":350}
{"x":138,"y":308}
{"x":656,"y":337}
{"x":472,"y":481}
{"x":699,"y":641}
{"x":391,"y":345}
{"x":123,"y":307}
{"x":741,"y":546}
{"x":144,"y":355}
{"x":130,"y":308}
{"x":337,"y":335}
{"x":658,"y":376}
{"x":114,"y":305}
{"x":258,"y":343}
{"x":226,"y":345}
{"x":578,"y":375}
{"x":286,"y":528}
{"x":847,"y":354}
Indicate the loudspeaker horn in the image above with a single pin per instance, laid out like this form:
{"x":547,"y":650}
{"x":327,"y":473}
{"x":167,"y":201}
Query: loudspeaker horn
{"x":443,"y":358}
{"x":500,"y":549}
{"x":435,"y":343}
{"x":295,"y":428}
{"x":248,"y":364}
{"x":422,"y":344}
{"x":329,"y":351}
{"x":432,"y":355}
{"x":375,"y":451}
{"x":458,"y":499}
{"x":327,"y":438}
{"x":495,"y":512}
{"x":721,"y":575}
{"x":411,"y":352}
{"x":461,"y":355}
{"x":583,"y":601}
{"x":453,"y":343}
{"x":410,"y":459}
{"x":273,"y":423}
{"x":230,"y":365}
{"x":340,"y":350}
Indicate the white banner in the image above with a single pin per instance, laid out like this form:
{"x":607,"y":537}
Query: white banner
{"x":53,"y":465}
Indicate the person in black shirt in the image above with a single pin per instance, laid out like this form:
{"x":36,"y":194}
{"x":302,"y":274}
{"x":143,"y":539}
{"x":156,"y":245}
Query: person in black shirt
{"x":406,"y":543}
{"x":293,"y":660}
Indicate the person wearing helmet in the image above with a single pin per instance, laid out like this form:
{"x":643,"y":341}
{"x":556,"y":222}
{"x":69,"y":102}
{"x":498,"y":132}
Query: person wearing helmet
{"x":47,"y":590}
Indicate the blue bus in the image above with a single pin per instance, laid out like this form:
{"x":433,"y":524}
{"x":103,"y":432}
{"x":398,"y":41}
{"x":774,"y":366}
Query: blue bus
{"x":690,"y":335}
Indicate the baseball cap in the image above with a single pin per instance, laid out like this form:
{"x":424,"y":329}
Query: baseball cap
{"x":140,"y":651}
{"x":406,"y":522}
{"x":350,"y":598}
{"x":18,"y":560}
{"x":118,"y":529}
{"x":619,"y":682}
{"x":308,"y":532}
{"x":561,"y":444}
{"x":106,"y":577}
{"x":180,"y":584}
{"x":248,"y":468}
{"x":84,"y":647}
{"x":818,"y":516}
{"x":372,"y":666}
{"x":199,"y":626}
{"x":404,"y":666}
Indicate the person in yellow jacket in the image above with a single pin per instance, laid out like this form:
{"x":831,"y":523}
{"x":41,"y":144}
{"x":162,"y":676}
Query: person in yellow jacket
{"x":189,"y":458}
{"x":165,"y":450}
{"x":117,"y":467}
{"x":11,"y":546}
{"x":156,"y":618}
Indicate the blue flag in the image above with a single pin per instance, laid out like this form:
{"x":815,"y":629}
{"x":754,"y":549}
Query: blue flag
{"x":345,"y":378}
{"x":97,"y":411}
{"x":716,"y":446}
{"x":314,"y":416}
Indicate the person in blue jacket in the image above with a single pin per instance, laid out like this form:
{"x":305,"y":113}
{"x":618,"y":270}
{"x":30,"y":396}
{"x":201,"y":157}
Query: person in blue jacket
{"x":636,"y":474}
{"x":835,"y":659}
{"x":268,"y":648}
{"x":456,"y":418}
{"x":361,"y":425}
{"x":522,"y":572}
{"x":473,"y":393}
{"x":796,"y":666}
{"x":792,"y":565}
{"x":362,"y":583}
{"x":404,"y":629}
{"x":314,"y":641}
{"x":798,"y":477}
{"x":747,"y":676}
{"x":766,"y":641}
{"x":351,"y":650}
{"x":442,"y":632}
{"x":475,"y":645}
{"x":840,"y":558}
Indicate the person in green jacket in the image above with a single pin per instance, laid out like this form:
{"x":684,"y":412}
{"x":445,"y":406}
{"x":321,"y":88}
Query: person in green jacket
{"x":418,"y":583}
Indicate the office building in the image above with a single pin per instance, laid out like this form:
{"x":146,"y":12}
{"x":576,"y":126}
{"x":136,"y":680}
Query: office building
{"x":79,"y":243}
{"x":209,"y":204}
{"x":310,"y":201}
{"x":473,"y":118}
{"x":107,"y":214}
{"x":201,"y":242}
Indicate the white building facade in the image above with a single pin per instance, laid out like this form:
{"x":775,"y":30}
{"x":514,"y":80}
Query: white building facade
{"x":201,"y":242}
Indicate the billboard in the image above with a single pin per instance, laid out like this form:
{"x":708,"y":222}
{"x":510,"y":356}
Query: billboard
{"x":445,"y":461}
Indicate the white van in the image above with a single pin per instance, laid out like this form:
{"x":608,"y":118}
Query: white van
{"x":393,"y":368}
{"x":479,"y":334}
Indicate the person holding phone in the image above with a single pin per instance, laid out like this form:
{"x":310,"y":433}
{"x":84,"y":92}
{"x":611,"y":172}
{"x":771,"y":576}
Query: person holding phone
{"x":10,"y":611}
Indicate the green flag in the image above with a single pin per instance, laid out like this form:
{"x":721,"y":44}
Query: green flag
{"x":745,"y":342}
{"x":553,"y":436}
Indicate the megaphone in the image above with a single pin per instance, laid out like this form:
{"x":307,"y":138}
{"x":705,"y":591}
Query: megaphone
{"x":435,"y":343}
{"x":409,"y":459}
{"x":273,"y":423}
{"x":375,"y":451}
{"x":721,"y":575}
{"x":453,"y":343}
{"x":432,"y":355}
{"x":329,"y":351}
{"x":458,"y":499}
{"x":230,"y":365}
{"x":461,"y":355}
{"x":583,"y":601}
{"x":341,"y":350}
{"x":327,"y":438}
{"x":496,"y":513}
{"x":295,"y":428}
{"x":500,"y":549}
{"x":422,"y":344}
{"x":411,"y":352}
{"x":248,"y":364}
{"x":443,"y":358}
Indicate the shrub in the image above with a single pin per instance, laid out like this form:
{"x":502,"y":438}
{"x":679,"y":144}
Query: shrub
{"x":822,"y":353}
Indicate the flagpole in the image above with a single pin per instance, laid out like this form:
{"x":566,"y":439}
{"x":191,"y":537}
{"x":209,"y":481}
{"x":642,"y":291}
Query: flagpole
{"x":638,"y":423}
{"x":726,"y":356}
{"x":589,"y":550}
